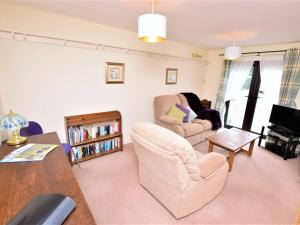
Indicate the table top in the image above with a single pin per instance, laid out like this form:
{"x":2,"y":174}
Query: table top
{"x":232,"y":139}
{"x":21,"y":181}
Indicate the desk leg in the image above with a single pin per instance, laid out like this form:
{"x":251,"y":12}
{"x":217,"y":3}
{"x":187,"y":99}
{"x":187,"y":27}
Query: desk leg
{"x":249,"y":152}
{"x":210,"y":147}
{"x":230,"y":160}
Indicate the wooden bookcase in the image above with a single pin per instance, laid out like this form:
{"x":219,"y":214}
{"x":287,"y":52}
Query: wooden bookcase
{"x":94,"y":120}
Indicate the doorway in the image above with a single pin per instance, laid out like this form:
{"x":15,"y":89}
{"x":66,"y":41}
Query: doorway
{"x":252,"y":105}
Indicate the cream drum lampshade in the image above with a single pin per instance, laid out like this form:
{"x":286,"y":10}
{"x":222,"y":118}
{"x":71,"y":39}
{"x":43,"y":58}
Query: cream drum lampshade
{"x":152,"y":27}
{"x":232,"y":53}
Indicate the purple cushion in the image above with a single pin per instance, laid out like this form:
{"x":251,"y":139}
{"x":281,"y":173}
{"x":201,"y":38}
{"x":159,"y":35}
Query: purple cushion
{"x":186,"y":111}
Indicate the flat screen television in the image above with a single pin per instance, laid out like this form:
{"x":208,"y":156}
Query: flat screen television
{"x":286,"y":117}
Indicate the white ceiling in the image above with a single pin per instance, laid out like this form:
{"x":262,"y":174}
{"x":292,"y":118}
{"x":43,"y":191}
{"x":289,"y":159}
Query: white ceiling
{"x":203,"y":23}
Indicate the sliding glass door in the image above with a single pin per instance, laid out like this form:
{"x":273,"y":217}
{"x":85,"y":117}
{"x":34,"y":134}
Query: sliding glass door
{"x":270,"y":73}
{"x":238,"y":87}
{"x":255,"y":95}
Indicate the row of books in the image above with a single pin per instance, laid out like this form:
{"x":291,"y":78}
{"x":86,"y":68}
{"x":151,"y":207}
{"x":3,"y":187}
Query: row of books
{"x":85,"y":132}
{"x":94,"y":148}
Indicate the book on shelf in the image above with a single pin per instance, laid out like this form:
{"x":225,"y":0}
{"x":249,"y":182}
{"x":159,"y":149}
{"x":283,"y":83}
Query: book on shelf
{"x":85,"y":132}
{"x":95,"y":148}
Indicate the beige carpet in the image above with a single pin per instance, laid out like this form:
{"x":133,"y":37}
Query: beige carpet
{"x":264,"y":189}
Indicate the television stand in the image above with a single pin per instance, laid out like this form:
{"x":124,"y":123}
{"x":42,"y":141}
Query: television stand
{"x":281,"y":141}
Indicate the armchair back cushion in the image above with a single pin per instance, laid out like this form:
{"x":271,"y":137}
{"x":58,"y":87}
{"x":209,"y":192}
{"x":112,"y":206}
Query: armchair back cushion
{"x":170,"y":142}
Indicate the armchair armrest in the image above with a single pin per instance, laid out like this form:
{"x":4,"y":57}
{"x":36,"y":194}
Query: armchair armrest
{"x":209,"y":163}
{"x":169,"y":120}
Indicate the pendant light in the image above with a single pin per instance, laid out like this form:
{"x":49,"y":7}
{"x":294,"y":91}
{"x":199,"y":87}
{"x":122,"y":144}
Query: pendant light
{"x":233,"y":52}
{"x":152,"y":27}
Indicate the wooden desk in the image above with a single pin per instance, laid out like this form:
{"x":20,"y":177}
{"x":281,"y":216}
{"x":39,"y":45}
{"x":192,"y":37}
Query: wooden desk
{"x":20,"y":182}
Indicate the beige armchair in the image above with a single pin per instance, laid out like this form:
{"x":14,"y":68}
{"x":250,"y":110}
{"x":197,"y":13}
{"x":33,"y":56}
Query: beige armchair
{"x":194,"y":132}
{"x":182,"y":179}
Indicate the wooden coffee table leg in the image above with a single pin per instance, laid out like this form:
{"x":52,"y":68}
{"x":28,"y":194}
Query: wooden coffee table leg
{"x":249,"y":152}
{"x":230,"y":160}
{"x":210,"y":146}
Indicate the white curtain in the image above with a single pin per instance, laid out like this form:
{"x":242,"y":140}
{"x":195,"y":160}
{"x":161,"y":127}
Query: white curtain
{"x":297,"y":100}
{"x":271,"y":72}
{"x":239,"y":71}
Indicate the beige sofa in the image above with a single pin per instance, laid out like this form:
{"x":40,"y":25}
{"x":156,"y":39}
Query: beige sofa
{"x":182,"y":179}
{"x":194,"y":132}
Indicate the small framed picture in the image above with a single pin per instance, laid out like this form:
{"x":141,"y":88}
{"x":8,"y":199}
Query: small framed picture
{"x":114,"y":73}
{"x":171,"y":76}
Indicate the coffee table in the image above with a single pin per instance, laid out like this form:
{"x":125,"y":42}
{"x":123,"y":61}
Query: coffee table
{"x":233,"y":140}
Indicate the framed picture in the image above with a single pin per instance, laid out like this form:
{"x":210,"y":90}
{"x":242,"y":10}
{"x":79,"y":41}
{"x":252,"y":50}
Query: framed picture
{"x":171,"y":76}
{"x":114,"y":73}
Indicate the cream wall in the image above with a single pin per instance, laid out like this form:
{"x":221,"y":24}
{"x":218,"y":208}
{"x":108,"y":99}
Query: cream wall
{"x":45,"y":83}
{"x":1,"y":107}
{"x":215,"y":66}
{"x":2,"y":133}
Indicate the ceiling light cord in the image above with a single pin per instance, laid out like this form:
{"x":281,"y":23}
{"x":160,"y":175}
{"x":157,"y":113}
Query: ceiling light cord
{"x":152,"y":8}
{"x":234,"y":37}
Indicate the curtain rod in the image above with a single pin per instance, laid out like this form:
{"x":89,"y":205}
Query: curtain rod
{"x":262,"y":52}
{"x":42,"y":39}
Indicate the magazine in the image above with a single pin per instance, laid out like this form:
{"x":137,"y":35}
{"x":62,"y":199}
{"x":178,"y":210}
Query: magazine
{"x":29,"y":152}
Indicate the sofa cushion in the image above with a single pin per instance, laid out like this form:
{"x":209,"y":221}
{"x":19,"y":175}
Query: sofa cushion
{"x":192,"y":114}
{"x":205,"y":123}
{"x":186,"y":111}
{"x":169,"y":120}
{"x":163,"y":103}
{"x":192,"y":128}
{"x":176,"y":113}
{"x":170,"y":142}
{"x":184,"y":103}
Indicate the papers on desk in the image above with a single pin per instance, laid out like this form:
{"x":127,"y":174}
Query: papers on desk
{"x":29,"y":152}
